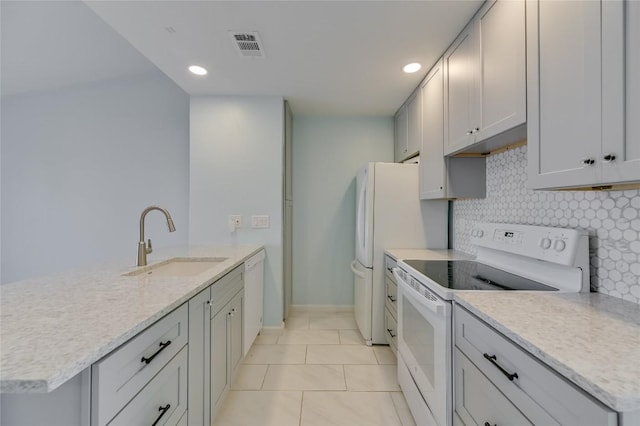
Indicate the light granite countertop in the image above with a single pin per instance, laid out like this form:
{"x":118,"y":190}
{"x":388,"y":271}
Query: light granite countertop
{"x":53,"y":327}
{"x":591,"y":339}
{"x":426,"y":254}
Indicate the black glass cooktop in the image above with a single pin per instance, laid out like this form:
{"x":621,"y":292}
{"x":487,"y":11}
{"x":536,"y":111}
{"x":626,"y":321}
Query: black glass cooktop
{"x":470,"y":275}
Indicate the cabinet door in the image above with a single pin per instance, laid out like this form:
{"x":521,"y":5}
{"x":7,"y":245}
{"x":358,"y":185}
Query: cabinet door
{"x":414,"y":125}
{"x":564,"y":127}
{"x":442,"y":177}
{"x":402,"y":134}
{"x":460,"y":101}
{"x":235,"y":333}
{"x":163,"y":401}
{"x":432,"y":162}
{"x":199,"y":358}
{"x":219,"y":358}
{"x":391,"y":326}
{"x":621,"y":91}
{"x":479,"y":402}
{"x":500,"y":31}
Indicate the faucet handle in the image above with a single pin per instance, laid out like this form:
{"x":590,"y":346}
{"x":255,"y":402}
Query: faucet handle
{"x":149,"y":248}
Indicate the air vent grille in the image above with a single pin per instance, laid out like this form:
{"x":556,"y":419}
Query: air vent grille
{"x":248,"y":43}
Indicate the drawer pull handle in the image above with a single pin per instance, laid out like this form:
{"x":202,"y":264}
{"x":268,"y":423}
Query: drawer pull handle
{"x":163,"y":345}
{"x":488,"y":424}
{"x":389,"y":269}
{"x":390,"y":331}
{"x":391,"y":298}
{"x":493,"y":360}
{"x":164,"y":410}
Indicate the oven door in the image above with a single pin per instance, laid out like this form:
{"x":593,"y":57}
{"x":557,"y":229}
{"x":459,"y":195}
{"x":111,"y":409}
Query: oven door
{"x":424,"y":344}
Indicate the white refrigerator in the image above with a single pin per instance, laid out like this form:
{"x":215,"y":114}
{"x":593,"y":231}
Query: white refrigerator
{"x":389,"y":214}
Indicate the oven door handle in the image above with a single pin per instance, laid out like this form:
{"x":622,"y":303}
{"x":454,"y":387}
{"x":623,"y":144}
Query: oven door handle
{"x":437,"y":306}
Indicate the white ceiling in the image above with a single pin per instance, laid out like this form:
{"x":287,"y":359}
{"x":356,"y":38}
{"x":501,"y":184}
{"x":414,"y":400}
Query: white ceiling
{"x":325,"y":57}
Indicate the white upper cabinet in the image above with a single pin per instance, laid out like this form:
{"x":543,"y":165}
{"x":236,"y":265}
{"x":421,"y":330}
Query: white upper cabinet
{"x":442,"y":177}
{"x":460,"y":104}
{"x":500,"y":31}
{"x":485,"y":80}
{"x":432,"y":161}
{"x":623,"y":125}
{"x":401,"y":127}
{"x":414,"y":125}
{"x":408,"y":128}
{"x":583,"y":92}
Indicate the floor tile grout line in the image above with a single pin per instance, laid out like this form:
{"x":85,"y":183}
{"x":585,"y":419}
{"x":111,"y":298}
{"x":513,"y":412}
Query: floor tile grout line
{"x":264,"y":378}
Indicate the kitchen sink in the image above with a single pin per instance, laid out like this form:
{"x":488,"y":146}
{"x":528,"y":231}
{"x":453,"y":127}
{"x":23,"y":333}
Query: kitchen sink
{"x":178,"y":267}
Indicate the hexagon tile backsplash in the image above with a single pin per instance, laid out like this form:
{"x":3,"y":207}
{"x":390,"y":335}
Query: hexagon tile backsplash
{"x":611,"y":217}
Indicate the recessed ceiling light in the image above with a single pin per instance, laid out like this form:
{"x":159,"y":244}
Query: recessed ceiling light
{"x":411,"y":68}
{"x":197,"y":70}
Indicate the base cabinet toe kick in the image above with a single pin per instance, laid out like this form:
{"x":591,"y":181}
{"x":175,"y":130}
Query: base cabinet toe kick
{"x":496,"y":382}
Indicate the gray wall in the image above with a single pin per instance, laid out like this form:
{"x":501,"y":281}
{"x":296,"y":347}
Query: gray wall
{"x":79,"y":165}
{"x":236,"y":167}
{"x":327,"y":153}
{"x":611,"y":217}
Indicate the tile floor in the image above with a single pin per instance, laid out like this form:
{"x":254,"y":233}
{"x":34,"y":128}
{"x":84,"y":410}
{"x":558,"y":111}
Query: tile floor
{"x":317,"y":372}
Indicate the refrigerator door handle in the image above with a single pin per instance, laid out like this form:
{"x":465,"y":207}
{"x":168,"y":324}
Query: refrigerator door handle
{"x":361,"y":220}
{"x":355,"y":271}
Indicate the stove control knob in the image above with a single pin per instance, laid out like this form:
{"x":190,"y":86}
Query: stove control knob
{"x":545,"y":243}
{"x":559,"y":245}
{"x":479,"y":233}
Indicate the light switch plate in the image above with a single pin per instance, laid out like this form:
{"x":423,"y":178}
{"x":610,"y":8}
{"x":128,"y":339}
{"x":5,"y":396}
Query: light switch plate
{"x":260,"y":221}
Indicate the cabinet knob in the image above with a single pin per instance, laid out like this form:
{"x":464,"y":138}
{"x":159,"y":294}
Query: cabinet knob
{"x":608,"y":158}
{"x":588,"y":161}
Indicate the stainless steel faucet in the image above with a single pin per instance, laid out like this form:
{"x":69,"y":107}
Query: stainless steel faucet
{"x":145,"y":249}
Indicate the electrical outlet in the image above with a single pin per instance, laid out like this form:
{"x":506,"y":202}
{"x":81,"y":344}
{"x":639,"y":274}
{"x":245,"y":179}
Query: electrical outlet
{"x":235,"y":220}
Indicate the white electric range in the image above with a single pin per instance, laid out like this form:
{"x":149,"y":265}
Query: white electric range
{"x":509,"y":257}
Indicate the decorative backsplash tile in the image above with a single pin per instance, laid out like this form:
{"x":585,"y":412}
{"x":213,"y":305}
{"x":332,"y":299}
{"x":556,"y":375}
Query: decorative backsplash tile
{"x":611,"y":217}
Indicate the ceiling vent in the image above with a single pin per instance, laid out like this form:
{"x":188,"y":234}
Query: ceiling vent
{"x":248,"y":43}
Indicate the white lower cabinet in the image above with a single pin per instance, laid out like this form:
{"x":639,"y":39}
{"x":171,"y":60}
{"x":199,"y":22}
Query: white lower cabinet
{"x":478,"y":401}
{"x":391,"y":326}
{"x":215,"y":344}
{"x":226,"y":349}
{"x":496,"y":382}
{"x":119,"y":376}
{"x":391,"y":304}
{"x":199,"y":358}
{"x":163,"y":401}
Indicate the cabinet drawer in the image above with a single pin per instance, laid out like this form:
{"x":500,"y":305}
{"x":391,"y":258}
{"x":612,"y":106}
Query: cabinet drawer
{"x":118,"y":377}
{"x":391,"y":327}
{"x":542,"y":395}
{"x":391,"y":300}
{"x":225,"y":288}
{"x":167,"y":390}
{"x":389,"y":264}
{"x":478,"y":401}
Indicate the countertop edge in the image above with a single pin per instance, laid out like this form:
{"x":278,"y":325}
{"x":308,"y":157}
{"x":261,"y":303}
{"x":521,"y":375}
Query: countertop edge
{"x":40,"y":386}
